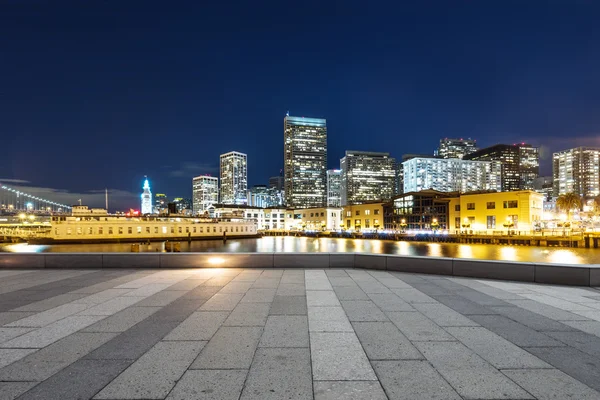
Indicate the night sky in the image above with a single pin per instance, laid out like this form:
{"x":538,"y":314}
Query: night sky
{"x":97,"y":94}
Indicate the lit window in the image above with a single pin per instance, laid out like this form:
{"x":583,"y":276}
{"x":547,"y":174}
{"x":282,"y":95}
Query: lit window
{"x":130,"y":230}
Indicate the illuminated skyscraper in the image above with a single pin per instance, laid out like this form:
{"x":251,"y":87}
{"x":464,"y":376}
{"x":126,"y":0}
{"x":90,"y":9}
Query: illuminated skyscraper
{"x":234,"y":178}
{"x":577,"y":170}
{"x":367,"y":176}
{"x":205,"y":193}
{"x":146,"y":199}
{"x":305,"y":158}
{"x":456,"y":148}
{"x":334,"y":188}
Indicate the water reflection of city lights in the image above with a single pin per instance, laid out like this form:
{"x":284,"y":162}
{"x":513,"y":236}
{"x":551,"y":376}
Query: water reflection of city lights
{"x":403,"y":248}
{"x":508,"y":253}
{"x":564,"y":257}
{"x":435,"y":249}
{"x":358,"y":245}
{"x":376,"y":246}
{"x":464,"y":251}
{"x":24,"y":248}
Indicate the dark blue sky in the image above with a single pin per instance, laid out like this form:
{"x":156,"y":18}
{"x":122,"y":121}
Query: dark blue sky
{"x":97,"y":94}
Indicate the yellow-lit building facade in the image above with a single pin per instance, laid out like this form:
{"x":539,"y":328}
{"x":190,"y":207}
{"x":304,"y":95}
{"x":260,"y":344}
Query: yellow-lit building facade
{"x":492,"y":212}
{"x":313,"y":219}
{"x":365,"y":217}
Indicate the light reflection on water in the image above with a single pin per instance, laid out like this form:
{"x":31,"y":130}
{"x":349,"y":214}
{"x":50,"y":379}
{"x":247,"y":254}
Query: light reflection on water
{"x":333,"y":245}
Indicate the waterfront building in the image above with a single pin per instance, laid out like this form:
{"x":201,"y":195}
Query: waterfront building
{"x":451,"y":175}
{"x":146,"y":199}
{"x":334,"y":187}
{"x":577,"y":170}
{"x":489,"y":212}
{"x":367,"y":176}
{"x":314,"y":219}
{"x":274,"y":219}
{"x":418,"y":210}
{"x":234,"y":178}
{"x":205,"y":192}
{"x":520,"y":164}
{"x":456,"y":148}
{"x":305,"y":157}
{"x":366,"y":217}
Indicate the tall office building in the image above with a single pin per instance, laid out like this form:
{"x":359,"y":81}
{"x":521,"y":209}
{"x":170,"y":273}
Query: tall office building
{"x":276,"y":182}
{"x":451,"y":175}
{"x":367,"y":176}
{"x":456,"y":148}
{"x":520,"y":164}
{"x":334,"y":187}
{"x":234,"y":178}
{"x":305,"y":157}
{"x":577,"y":170}
{"x":146,"y":199}
{"x":160,"y":203}
{"x":205,"y":192}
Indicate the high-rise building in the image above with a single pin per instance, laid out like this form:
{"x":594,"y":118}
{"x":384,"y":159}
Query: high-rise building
{"x":205,"y":192}
{"x":234,"y":178}
{"x":544,"y":185}
{"x":334,"y":187}
{"x":146,"y":198}
{"x":367,"y":176}
{"x":456,"y":148}
{"x":305,"y":157}
{"x":276,"y":182}
{"x":577,"y":170}
{"x":451,"y":175}
{"x":520,"y":164}
{"x":183,"y":206}
{"x":160,"y":203}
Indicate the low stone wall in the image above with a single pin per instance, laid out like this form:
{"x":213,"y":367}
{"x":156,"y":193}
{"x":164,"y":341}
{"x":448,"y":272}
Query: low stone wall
{"x":562,"y":274}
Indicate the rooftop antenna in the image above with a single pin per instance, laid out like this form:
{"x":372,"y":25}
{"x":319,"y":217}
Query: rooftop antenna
{"x":79,"y":201}
{"x":287,"y":114}
{"x":106,"y":198}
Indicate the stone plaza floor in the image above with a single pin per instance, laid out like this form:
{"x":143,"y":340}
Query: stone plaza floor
{"x":293,"y":334}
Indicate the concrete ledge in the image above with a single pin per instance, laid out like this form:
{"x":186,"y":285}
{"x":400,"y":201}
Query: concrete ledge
{"x":60,"y":260}
{"x":131,"y":260}
{"x":216,"y":260}
{"x":370,"y":261}
{"x":562,"y":274}
{"x":492,"y":269}
{"x":423,"y":265}
{"x":16,"y":260}
{"x":595,"y":275}
{"x":301,"y":260}
{"x":341,"y":260}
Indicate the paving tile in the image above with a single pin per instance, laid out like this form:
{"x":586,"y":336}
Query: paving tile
{"x":291,"y":277}
{"x":285,"y":331}
{"x":551,"y":384}
{"x":464,"y":306}
{"x":9,"y":356}
{"x":591,"y":327}
{"x":328,"y":319}
{"x":248,"y":314}
{"x":10,"y":333}
{"x":413,"y":296}
{"x":42,"y":364}
{"x":222,"y":302}
{"x":51,"y":333}
{"x":291,"y":289}
{"x":496,"y":350}
{"x":226,"y":351}
{"x":515,"y":332}
{"x":80,"y":380}
{"x":350,"y":293}
{"x":259,"y":296}
{"x":469,"y":374}
{"x":48,"y":317}
{"x":342,"y":281}
{"x":154,"y":374}
{"x":112,"y":306}
{"x":443,"y":315}
{"x":103,"y":296}
{"x":266,"y":283}
{"x":373,"y":287}
{"x":12,"y":390}
{"x":389,"y":280}
{"x":186,"y":285}
{"x":278,"y":374}
{"x":236,"y":287}
{"x":348,"y":390}
{"x":547,"y":311}
{"x":413,"y":379}
{"x":52,"y":302}
{"x":339,"y":356}
{"x":389,"y":302}
{"x":383,"y":341}
{"x":200,"y":325}
{"x":585,"y":342}
{"x":209,"y":385}
{"x":417,"y":327}
{"x":288,"y":305}
{"x":218,"y":281}
{"x":316,"y":280}
{"x":161,"y":299}
{"x":533,"y":320}
{"x":122,"y":320}
{"x":11,"y":316}
{"x":361,"y":310}
{"x":321,"y":298}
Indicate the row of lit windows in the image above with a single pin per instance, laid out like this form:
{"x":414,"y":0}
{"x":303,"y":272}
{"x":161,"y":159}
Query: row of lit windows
{"x":148,"y":230}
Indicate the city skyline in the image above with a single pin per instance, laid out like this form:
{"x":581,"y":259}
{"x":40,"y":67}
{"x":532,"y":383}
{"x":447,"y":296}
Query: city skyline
{"x":97,"y":98}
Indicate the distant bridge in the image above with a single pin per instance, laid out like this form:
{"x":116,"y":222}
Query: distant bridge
{"x":15,"y":200}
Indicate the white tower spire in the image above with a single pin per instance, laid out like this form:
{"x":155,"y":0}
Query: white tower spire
{"x":146,"y":198}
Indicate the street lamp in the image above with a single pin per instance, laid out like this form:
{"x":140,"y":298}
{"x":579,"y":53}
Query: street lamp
{"x":434,"y":224}
{"x":403,"y":224}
